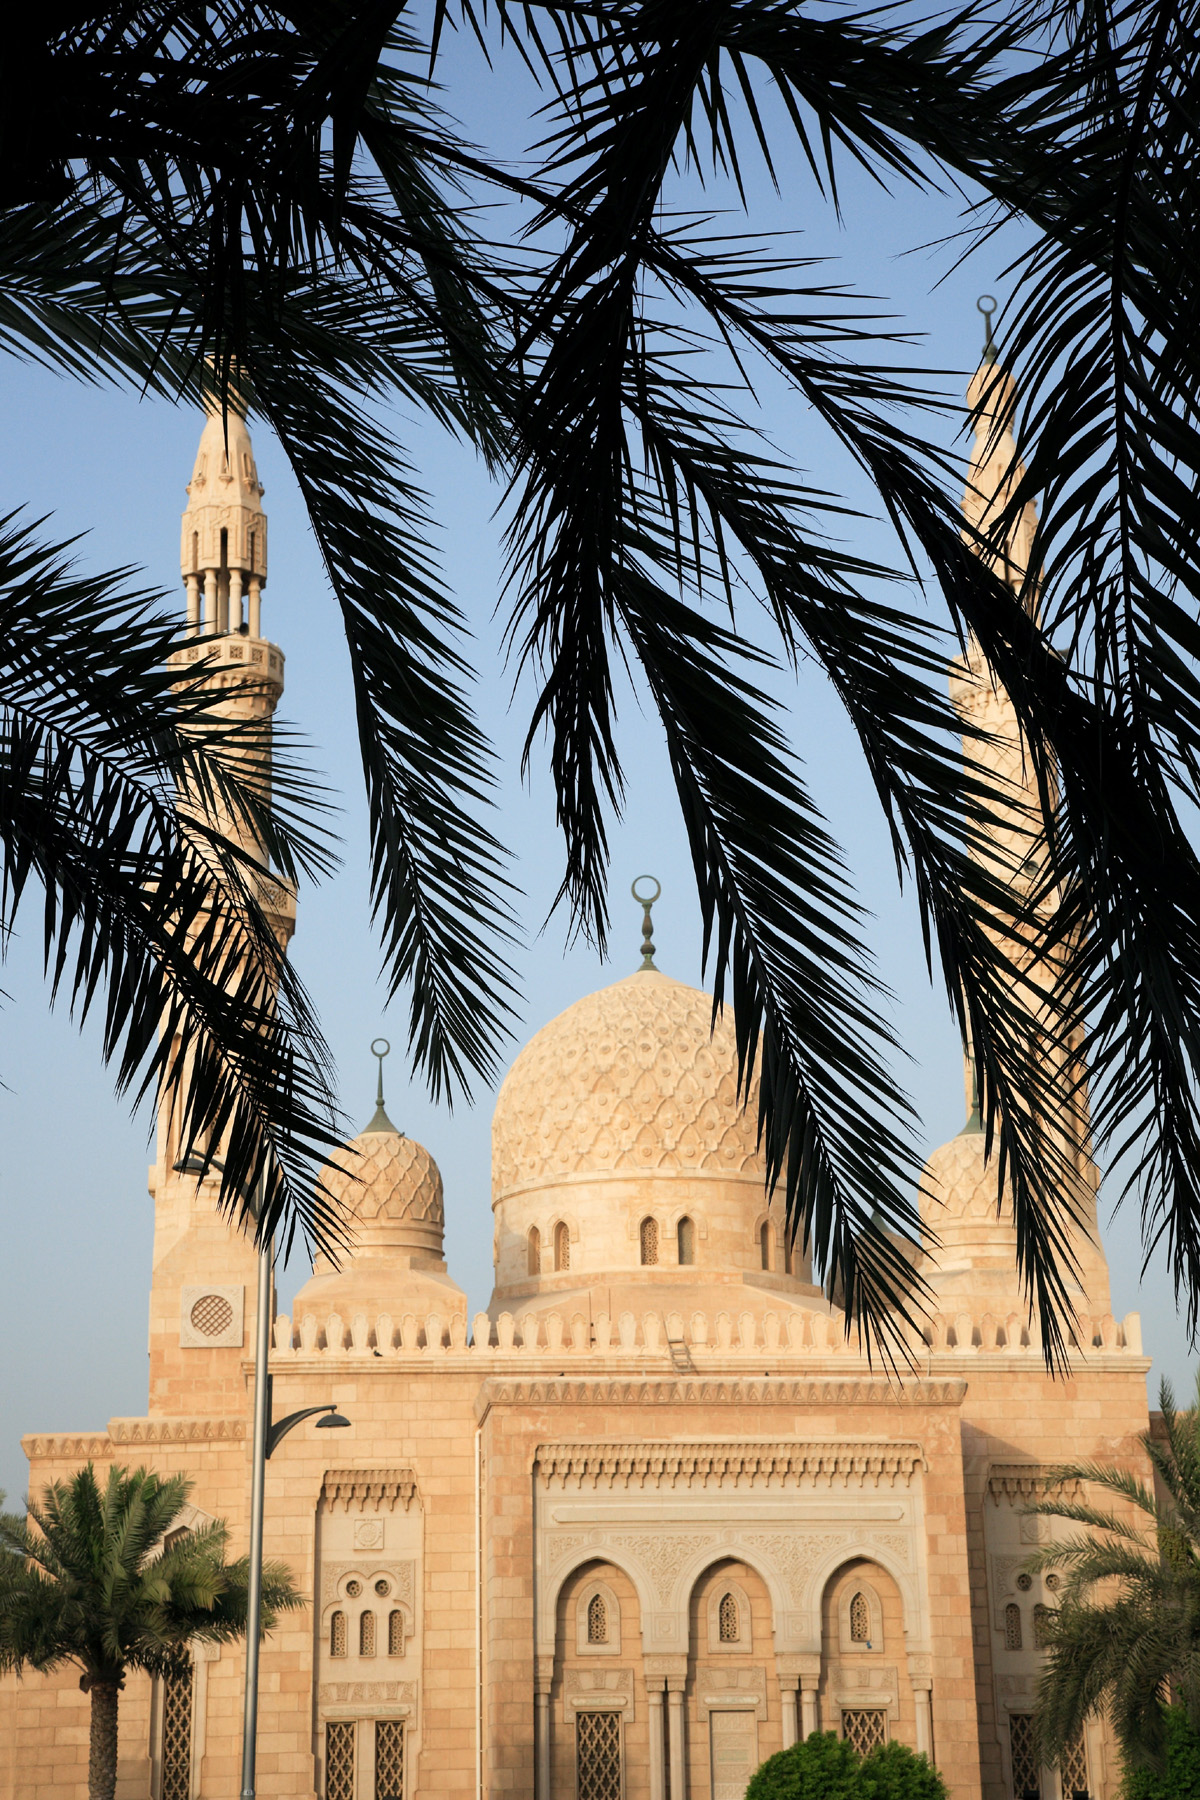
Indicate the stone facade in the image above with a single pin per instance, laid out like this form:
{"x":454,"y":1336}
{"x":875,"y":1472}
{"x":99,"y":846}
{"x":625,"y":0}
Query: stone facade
{"x":650,"y":1516}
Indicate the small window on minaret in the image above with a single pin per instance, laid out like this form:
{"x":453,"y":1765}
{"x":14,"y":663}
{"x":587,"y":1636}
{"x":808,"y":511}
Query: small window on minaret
{"x":685,"y":1233}
{"x":764,"y":1244}
{"x":562,"y":1247}
{"x":535,"y":1250}
{"x":649,"y":1237}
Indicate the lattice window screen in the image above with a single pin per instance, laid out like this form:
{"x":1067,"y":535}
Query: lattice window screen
{"x":864,"y":1727}
{"x":337,"y":1634}
{"x":389,"y":1759}
{"x":598,"y":1756}
{"x":1026,"y":1775}
{"x":339,"y":1759}
{"x":727,"y":1620}
{"x":649,"y":1241}
{"x":860,"y":1620}
{"x":366,"y":1634}
{"x":396,"y":1633}
{"x":177,"y":1736}
{"x":1073,"y":1768}
{"x":597,"y":1620}
{"x":1012,"y":1626}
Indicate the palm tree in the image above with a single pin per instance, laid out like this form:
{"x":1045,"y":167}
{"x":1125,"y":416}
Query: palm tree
{"x":277,"y":188}
{"x":1125,"y":1637}
{"x":108,"y":1579}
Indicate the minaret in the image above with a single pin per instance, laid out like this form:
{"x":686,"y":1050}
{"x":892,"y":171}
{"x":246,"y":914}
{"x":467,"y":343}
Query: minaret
{"x":975,"y":1268}
{"x":203,"y":1283}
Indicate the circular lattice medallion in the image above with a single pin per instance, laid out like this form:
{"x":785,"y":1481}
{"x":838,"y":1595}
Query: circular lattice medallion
{"x":211,"y":1315}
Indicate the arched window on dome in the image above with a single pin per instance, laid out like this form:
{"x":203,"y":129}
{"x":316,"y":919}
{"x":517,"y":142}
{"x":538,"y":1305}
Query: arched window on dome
{"x":535,"y":1250}
{"x":685,"y":1237}
{"x":764,"y":1244}
{"x":649,"y":1241}
{"x":562,"y":1246}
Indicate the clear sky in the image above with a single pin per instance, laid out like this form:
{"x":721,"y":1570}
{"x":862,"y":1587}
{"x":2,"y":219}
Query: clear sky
{"x":77,"y":1220}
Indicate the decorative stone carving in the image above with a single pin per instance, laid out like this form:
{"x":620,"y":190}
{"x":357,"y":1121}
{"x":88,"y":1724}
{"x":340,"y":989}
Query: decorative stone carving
{"x":597,"y":1686}
{"x":719,"y":1686}
{"x":400,"y":1574}
{"x":374,"y":1693}
{"x":575,"y":1467}
{"x":210,"y":1316}
{"x":700,"y":1390}
{"x":368,"y":1534}
{"x":368,"y":1488}
{"x":632,"y":1078}
{"x":796,"y":1555}
{"x":1021,"y":1484}
{"x":662,"y":1557}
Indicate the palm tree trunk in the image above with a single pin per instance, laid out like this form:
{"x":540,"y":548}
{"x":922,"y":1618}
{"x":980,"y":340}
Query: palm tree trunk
{"x":102,"y":1754}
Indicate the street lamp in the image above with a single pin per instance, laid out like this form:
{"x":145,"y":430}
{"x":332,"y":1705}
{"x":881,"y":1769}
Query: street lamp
{"x":266,"y":1438}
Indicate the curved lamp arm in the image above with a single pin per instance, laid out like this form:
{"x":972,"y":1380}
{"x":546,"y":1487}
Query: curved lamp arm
{"x":332,"y":1421}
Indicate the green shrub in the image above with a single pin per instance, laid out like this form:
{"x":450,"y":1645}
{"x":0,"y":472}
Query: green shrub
{"x":1180,"y":1779}
{"x":825,"y":1767}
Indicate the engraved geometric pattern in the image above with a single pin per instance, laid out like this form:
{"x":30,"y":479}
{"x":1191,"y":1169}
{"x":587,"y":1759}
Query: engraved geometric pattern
{"x":177,"y":1736}
{"x":1026,"y":1775}
{"x":389,"y":1759}
{"x":1012,"y":1626}
{"x":386,"y":1177}
{"x":598,"y":1756}
{"x":727,"y":1616}
{"x":860,"y":1620}
{"x":339,"y":1759}
{"x":649,"y":1242}
{"x":734,"y":1750}
{"x":864,"y":1727}
{"x":366,"y":1634}
{"x":597,"y":1620}
{"x":1073,"y":1768}
{"x":211,"y":1315}
{"x":629,"y":1079}
{"x":396,"y":1633}
{"x":337,"y":1634}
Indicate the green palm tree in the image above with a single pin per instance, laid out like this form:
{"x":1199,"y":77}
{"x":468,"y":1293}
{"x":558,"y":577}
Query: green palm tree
{"x":106,"y":1578}
{"x":1125,"y":1638}
{"x":279,"y":188}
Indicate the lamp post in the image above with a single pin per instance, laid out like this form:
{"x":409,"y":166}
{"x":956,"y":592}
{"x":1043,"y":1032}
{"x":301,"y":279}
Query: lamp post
{"x":267,"y":1436}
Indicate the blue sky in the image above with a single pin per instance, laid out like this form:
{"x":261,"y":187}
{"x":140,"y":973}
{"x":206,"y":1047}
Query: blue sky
{"x":77,"y":1219}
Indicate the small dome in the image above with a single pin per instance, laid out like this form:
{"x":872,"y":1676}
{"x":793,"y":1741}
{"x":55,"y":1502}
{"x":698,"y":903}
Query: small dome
{"x":630,"y":1080}
{"x":392,"y":1191}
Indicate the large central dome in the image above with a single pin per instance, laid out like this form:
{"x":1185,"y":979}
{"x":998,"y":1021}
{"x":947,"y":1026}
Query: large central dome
{"x":630,"y":1080}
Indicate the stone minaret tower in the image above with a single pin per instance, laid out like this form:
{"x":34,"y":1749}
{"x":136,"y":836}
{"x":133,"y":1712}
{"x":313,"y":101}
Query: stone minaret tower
{"x":976,"y":1265}
{"x":203,"y":1286}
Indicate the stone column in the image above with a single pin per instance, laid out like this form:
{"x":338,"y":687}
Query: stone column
{"x":788,"y":1691}
{"x":808,"y":1709}
{"x":541,"y":1743}
{"x":210,"y":602}
{"x":678,"y":1770}
{"x":235,"y":599}
{"x":657,"y":1782}
{"x":193,"y":604}
{"x":924,"y":1722}
{"x":255,"y":607}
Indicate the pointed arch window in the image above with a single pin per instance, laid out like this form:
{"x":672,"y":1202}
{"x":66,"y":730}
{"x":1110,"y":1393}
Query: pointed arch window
{"x":535,"y":1250}
{"x":562,"y":1246}
{"x":729,"y":1622}
{"x":396,"y":1633}
{"x":1012,"y":1626}
{"x":764,"y":1244}
{"x":366,"y":1634}
{"x":337,"y":1634}
{"x":685,"y":1238}
{"x":860,"y":1620}
{"x":649,"y":1242}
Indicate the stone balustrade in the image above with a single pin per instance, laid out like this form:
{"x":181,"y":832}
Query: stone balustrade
{"x":682,"y":1342}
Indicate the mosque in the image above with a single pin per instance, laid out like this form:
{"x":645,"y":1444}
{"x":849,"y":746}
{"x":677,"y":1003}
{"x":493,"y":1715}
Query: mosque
{"x":653,"y":1514}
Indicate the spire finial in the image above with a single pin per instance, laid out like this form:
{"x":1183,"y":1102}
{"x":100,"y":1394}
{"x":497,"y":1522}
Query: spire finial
{"x":380,"y":1121}
{"x":646,"y":901}
{"x":986,"y":304}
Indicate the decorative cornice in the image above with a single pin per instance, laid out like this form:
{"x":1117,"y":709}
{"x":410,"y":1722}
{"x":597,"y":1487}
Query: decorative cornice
{"x":368,"y":1487}
{"x":347,"y":1693}
{"x":717,"y":1465}
{"x":700,"y":1390}
{"x":79,"y":1446}
{"x":1021,"y":1483}
{"x":176,"y":1431}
